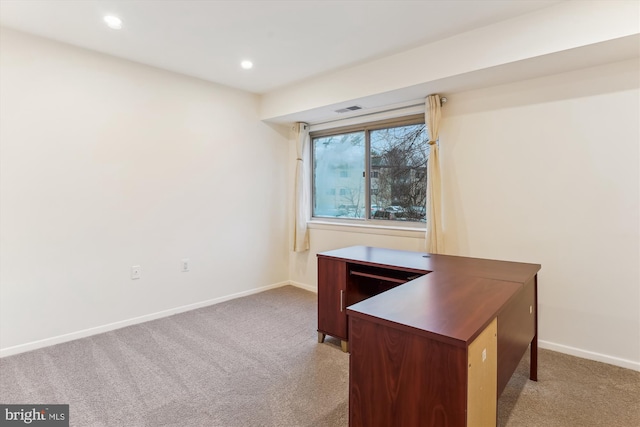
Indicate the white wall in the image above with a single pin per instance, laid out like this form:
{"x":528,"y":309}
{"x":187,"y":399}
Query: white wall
{"x":564,"y":36}
{"x":107,"y":164}
{"x":547,"y":171}
{"x":544,"y":171}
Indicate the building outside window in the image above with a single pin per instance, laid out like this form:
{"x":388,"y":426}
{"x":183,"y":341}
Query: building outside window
{"x":374,"y":172}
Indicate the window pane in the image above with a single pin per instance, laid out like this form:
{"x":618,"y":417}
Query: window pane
{"x":338,"y":182}
{"x":398,"y":173}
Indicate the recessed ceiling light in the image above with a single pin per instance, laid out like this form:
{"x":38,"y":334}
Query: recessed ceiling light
{"x":246,"y":65}
{"x":113,"y":22}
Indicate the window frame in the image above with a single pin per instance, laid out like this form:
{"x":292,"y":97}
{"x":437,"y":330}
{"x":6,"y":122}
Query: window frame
{"x":367,"y":127}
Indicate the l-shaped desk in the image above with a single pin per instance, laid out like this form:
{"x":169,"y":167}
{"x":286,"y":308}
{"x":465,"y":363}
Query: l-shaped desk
{"x":434,"y":339}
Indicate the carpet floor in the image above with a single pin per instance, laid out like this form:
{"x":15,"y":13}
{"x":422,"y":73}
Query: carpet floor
{"x":255,"y":361}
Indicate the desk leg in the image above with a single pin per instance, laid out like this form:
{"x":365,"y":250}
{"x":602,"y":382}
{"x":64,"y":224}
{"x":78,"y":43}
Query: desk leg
{"x":345,"y":346}
{"x":533,"y":359}
{"x":321,"y":337}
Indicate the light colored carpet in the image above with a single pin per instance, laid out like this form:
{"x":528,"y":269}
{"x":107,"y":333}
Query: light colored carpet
{"x":570,"y":392}
{"x":255,"y":361}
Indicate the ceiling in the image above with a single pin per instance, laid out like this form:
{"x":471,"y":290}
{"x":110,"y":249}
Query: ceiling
{"x":288,"y":41}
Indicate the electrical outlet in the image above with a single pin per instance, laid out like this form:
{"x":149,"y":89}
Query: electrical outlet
{"x":185,"y":265}
{"x":136,"y":272}
{"x":484,"y":354}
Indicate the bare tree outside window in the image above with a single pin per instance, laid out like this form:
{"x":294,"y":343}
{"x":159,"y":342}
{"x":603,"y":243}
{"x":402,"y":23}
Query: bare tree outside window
{"x":398,"y":172}
{"x":394,"y":184}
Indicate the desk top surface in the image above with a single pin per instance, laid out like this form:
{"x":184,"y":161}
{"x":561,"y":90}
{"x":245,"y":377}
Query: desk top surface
{"x":426,"y":263}
{"x":454,"y":302}
{"x":444,"y":306}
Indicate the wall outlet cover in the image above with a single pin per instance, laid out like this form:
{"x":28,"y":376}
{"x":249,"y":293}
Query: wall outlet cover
{"x":136,"y":272}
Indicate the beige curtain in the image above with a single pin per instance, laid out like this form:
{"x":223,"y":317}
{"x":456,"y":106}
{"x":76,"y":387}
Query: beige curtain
{"x":301,"y":234}
{"x":434,"y":238}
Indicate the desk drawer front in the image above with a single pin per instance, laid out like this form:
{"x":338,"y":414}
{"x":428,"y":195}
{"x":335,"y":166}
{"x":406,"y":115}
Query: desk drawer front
{"x":332,"y":287}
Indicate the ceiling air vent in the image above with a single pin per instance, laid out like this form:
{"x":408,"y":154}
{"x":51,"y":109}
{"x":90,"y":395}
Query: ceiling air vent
{"x":346,"y":110}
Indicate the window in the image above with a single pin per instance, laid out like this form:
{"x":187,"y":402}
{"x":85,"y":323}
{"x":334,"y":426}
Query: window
{"x":374,"y":172}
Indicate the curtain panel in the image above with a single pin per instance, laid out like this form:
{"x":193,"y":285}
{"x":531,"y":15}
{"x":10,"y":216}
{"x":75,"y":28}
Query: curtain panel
{"x":302,"y":198}
{"x":434,"y":234}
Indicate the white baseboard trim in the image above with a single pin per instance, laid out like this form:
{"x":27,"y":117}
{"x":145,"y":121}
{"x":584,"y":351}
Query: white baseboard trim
{"x":585,"y":354}
{"x":34,"y":345}
{"x":303,"y":286}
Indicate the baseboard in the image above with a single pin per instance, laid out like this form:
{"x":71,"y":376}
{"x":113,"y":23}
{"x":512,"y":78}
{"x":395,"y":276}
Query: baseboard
{"x":34,"y":345}
{"x":584,"y":354}
{"x":303,"y":286}
{"x":22,"y":348}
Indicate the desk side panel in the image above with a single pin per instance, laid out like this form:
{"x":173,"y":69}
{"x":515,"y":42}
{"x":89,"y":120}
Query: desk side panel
{"x":516,"y":330}
{"x":400,"y":379}
{"x":482,"y":374}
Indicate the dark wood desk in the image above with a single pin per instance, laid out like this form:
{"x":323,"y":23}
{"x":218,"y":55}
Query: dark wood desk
{"x":434,"y":339}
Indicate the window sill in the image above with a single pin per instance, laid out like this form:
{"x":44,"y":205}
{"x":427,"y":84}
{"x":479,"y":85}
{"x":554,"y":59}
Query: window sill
{"x":386,"y":230}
